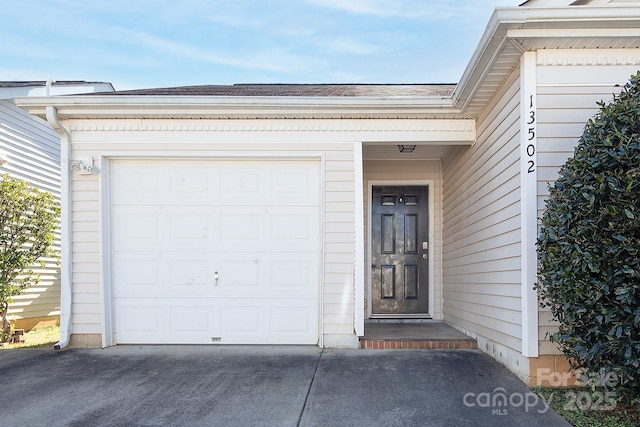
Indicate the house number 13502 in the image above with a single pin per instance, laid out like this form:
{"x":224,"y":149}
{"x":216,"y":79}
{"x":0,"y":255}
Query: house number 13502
{"x":531,"y":137}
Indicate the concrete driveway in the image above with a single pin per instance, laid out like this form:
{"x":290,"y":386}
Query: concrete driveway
{"x":263,"y":386}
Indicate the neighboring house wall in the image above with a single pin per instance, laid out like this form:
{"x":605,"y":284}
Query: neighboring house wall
{"x":415,"y":171}
{"x":481,"y":230}
{"x":32,"y":148}
{"x":569,"y":84}
{"x":167,"y":139}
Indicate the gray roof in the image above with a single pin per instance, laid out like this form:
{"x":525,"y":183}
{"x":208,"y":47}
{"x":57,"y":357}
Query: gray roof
{"x":302,"y":90}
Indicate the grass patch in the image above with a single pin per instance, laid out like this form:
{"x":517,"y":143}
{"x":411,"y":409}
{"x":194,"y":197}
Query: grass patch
{"x":583,"y":407}
{"x":38,"y":338}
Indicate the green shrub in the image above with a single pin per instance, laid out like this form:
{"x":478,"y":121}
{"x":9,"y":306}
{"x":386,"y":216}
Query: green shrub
{"x":589,"y":245}
{"x":28,"y":222}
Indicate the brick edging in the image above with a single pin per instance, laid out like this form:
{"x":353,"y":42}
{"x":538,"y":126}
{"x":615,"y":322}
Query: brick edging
{"x":417,"y":344}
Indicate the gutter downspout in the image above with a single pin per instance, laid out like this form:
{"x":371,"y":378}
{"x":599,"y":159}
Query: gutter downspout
{"x":65,"y":223}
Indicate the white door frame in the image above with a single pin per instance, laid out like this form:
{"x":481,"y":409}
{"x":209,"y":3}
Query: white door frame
{"x":399,"y":183}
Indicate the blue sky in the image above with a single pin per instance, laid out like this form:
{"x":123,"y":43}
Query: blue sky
{"x":158,"y":43}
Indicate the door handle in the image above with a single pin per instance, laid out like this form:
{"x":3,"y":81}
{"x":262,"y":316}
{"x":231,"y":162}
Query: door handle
{"x":216,"y":277}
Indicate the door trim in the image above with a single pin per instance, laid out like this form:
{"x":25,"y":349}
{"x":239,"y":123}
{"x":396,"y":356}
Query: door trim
{"x":399,"y":183}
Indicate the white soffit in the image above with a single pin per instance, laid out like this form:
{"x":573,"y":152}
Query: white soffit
{"x":392,"y":152}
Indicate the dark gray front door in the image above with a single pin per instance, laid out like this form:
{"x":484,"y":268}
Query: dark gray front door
{"x":400,"y":251}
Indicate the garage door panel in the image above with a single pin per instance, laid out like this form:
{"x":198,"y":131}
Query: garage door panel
{"x":137,"y":275}
{"x":165,"y":321}
{"x":275,"y":275}
{"x":191,"y":321}
{"x":287,"y":321}
{"x":242,"y":185}
{"x":269,"y":322}
{"x":294,"y":229}
{"x":241,"y":230}
{"x":189,"y":276}
{"x":294,"y":276}
{"x":138,"y":228}
{"x":193,"y":230}
{"x":139,"y":324}
{"x":216,"y":251}
{"x":240,"y":276}
{"x":294,"y":185}
{"x":163,"y":274}
{"x":189,"y":183}
{"x":240,"y":321}
{"x":137,"y":183}
{"x":166,"y":274}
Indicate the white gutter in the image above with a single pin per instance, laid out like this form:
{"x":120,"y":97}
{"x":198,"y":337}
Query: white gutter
{"x":65,"y":224}
{"x":126,"y":106}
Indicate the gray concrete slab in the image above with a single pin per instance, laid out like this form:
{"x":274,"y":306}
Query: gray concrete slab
{"x":420,"y":388}
{"x":262,"y":386}
{"x":433,"y":330}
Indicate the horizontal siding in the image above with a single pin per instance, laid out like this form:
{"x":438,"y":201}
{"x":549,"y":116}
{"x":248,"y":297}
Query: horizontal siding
{"x":563,"y":111}
{"x":481,"y":230}
{"x":33,"y":151}
{"x":339,"y":226}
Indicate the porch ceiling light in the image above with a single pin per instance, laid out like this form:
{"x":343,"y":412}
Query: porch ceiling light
{"x":84,"y":166}
{"x":406,"y":148}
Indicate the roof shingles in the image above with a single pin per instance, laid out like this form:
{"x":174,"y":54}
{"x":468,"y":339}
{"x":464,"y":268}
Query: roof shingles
{"x":302,"y":90}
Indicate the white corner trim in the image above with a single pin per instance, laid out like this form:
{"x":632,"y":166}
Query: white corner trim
{"x":528,"y":203}
{"x":106,"y":277}
{"x":568,"y":57}
{"x":359,"y":264}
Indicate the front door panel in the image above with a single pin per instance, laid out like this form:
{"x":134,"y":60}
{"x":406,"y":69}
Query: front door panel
{"x":400,"y":251}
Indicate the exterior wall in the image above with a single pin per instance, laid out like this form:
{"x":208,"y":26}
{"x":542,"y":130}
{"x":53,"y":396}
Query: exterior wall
{"x":569,"y":83}
{"x":481,"y":232}
{"x":107,"y":139}
{"x":33,"y":151}
{"x":408,"y":170}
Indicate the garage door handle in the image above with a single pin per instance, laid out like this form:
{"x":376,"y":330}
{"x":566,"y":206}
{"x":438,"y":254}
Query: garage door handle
{"x":215,"y":276}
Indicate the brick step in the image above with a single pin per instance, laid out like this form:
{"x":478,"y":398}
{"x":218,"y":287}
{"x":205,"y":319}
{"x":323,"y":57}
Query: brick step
{"x":417,"y":343}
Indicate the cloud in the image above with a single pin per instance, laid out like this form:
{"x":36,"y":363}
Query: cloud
{"x":352,"y":47}
{"x":272,"y":60}
{"x":390,"y":8}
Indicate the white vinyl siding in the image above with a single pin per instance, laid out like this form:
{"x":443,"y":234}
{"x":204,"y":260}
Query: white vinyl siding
{"x":338,"y":225}
{"x":567,"y":97}
{"x":33,"y":151}
{"x":481,"y":226}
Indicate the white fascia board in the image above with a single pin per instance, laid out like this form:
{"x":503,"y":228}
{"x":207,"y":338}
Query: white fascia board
{"x":524,"y":33}
{"x":124,"y":105}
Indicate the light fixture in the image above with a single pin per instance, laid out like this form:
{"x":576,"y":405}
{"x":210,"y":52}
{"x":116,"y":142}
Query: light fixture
{"x":406,"y":148}
{"x":3,"y":158}
{"x":84,"y":166}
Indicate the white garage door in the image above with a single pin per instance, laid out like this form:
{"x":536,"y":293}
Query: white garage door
{"x":216,"y":251}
